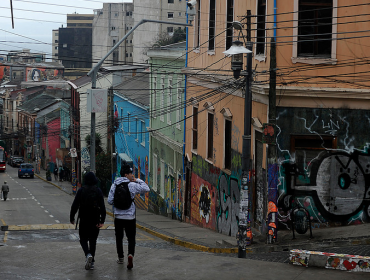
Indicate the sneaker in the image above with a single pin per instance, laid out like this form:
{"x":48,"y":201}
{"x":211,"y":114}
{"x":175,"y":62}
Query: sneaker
{"x":88,"y":261}
{"x":92,"y":265}
{"x":130,"y":261}
{"x":120,"y":261}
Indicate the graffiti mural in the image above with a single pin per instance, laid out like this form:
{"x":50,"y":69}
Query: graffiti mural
{"x":42,"y":74}
{"x":229,"y":195}
{"x":4,"y":73}
{"x":203,"y":203}
{"x":272,"y":212}
{"x":338,"y":189}
{"x":333,"y":260}
{"x":324,"y":165}
{"x":85,"y":158}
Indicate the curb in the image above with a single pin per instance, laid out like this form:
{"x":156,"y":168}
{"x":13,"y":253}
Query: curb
{"x":319,"y":245}
{"x":186,"y":244}
{"x":38,"y":176}
{"x":351,"y":263}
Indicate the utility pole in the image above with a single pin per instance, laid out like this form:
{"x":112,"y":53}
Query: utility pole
{"x":271,"y":152}
{"x":94,"y":72}
{"x":244,"y":228}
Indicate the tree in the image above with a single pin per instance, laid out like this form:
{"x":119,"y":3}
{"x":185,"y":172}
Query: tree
{"x":98,"y":142}
{"x":164,"y":39}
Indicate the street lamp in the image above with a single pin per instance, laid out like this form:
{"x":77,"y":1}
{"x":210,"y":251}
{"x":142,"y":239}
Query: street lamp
{"x":244,"y":235}
{"x":236,"y":52}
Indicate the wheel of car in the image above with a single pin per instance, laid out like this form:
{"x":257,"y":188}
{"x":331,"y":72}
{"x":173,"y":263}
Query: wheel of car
{"x":31,"y":176}
{"x":19,"y":176}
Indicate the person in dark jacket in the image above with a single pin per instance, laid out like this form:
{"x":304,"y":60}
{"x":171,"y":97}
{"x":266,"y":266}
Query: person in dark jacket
{"x":89,"y":201}
{"x":4,"y":191}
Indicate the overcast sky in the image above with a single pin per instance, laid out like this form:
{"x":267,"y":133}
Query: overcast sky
{"x":35,"y":19}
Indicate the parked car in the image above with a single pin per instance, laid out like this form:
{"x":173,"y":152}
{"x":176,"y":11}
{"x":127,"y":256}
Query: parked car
{"x":26,"y":169}
{"x":13,"y":158}
{"x":17,"y":162}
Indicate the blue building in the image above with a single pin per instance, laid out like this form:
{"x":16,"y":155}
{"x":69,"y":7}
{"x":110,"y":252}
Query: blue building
{"x":131,"y":109}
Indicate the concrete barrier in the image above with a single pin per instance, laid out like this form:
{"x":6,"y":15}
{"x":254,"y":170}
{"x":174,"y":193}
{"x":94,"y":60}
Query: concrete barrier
{"x":353,"y":263}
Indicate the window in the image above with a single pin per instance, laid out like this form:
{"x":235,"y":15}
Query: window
{"x":137,"y":128}
{"x":56,"y":48}
{"x":128,"y":123}
{"x":126,"y":54}
{"x":261,"y":27}
{"x":179,"y":14}
{"x":228,"y":133}
{"x":56,"y":34}
{"x":116,"y":14}
{"x":169,"y":101}
{"x":210,"y":136}
{"x":315,"y":28}
{"x":170,"y":1}
{"x":64,"y":45}
{"x":113,"y":28}
{"x":155,"y":172}
{"x":195,"y":128}
{"x":170,"y":29}
{"x":161,"y":192}
{"x":197,"y":29}
{"x":229,"y":23}
{"x":114,"y":42}
{"x":121,"y":120}
{"x":56,"y":41}
{"x":162,"y":100}
{"x":170,"y":15}
{"x":178,"y":105}
{"x":143,"y":131}
{"x":211,"y":25}
{"x":307,"y":148}
{"x":154,"y":107}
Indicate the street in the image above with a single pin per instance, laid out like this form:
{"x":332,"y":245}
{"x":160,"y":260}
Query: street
{"x":51,"y":250}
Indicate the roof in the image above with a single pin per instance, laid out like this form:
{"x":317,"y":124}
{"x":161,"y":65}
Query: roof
{"x":25,"y":92}
{"x":58,"y":83}
{"x":42,"y":101}
{"x":124,"y":67}
{"x":82,"y":81}
{"x":135,"y":89}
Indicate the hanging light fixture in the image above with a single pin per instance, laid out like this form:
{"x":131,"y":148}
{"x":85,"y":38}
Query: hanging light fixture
{"x":236,"y":52}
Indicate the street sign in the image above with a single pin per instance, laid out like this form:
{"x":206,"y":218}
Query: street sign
{"x":269,"y":133}
{"x":97,"y":100}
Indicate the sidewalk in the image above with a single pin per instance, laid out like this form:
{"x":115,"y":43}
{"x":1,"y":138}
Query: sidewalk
{"x":197,"y":238}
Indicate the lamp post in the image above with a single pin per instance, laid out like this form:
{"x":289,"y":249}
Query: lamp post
{"x":244,"y":235}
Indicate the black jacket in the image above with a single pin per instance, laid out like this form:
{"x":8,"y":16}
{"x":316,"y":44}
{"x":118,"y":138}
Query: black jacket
{"x":77,"y":203}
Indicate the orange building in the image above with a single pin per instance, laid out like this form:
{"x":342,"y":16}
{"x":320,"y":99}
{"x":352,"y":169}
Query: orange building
{"x":322,"y":116}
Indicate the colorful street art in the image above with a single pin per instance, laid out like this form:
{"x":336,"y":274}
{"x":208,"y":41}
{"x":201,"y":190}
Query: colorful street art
{"x":323,"y":165}
{"x":272,"y":212}
{"x":4,"y":73}
{"x":29,"y":73}
{"x":229,"y":196}
{"x":203,"y":203}
{"x":333,"y":260}
{"x":42,"y":74}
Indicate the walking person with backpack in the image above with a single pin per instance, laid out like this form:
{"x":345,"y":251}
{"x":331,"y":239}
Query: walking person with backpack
{"x":89,"y":202}
{"x":121,"y":196}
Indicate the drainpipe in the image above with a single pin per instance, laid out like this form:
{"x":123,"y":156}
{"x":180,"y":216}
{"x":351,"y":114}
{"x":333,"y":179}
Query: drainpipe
{"x":185,"y":82}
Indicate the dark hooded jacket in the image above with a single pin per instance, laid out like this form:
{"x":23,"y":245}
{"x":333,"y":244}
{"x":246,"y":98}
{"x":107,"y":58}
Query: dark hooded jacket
{"x":90,"y":182}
